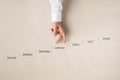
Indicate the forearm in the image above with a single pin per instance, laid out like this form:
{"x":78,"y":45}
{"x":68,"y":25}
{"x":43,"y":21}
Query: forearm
{"x":56,"y":10}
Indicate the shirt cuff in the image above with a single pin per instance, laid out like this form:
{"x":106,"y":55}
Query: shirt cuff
{"x":57,"y":16}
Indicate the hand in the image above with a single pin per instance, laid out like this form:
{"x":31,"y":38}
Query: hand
{"x":58,"y":30}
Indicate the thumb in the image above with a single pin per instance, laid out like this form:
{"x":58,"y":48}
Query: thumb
{"x":54,"y":31}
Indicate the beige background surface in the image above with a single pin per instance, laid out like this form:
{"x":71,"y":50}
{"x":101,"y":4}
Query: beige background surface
{"x":25,"y":28}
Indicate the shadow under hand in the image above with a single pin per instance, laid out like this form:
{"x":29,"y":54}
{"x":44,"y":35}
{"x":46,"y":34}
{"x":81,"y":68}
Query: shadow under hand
{"x":66,"y":8}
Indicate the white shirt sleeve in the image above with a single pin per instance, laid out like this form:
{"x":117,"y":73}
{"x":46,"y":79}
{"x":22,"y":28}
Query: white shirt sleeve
{"x":56,"y":10}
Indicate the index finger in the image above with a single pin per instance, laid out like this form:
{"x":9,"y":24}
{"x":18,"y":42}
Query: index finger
{"x":64,"y":36}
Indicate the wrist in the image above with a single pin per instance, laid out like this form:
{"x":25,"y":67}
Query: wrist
{"x":55,"y":24}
